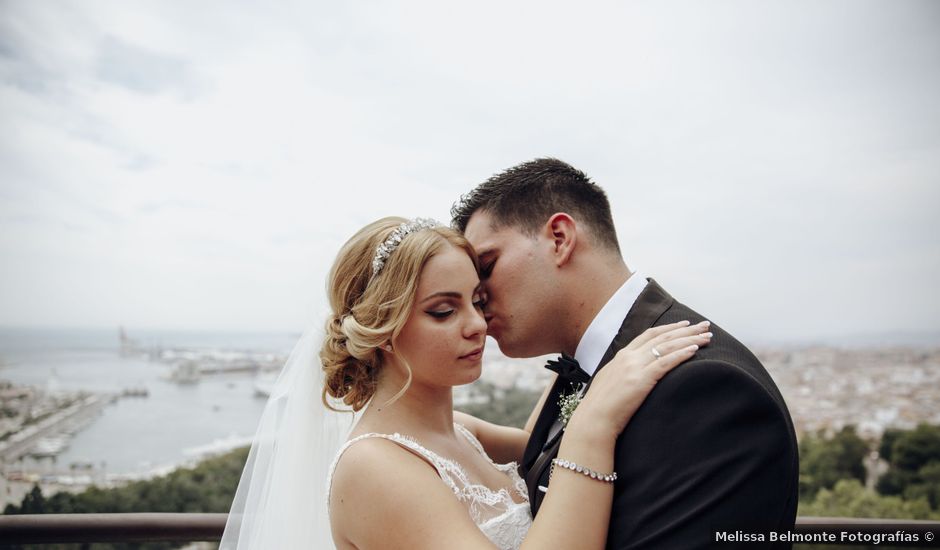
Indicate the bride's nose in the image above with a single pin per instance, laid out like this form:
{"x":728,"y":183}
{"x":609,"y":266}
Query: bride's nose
{"x":476,"y":324}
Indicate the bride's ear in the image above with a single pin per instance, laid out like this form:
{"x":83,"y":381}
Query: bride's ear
{"x":563,"y":232}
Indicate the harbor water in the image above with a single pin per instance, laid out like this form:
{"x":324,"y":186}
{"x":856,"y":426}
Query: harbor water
{"x":138,"y":434}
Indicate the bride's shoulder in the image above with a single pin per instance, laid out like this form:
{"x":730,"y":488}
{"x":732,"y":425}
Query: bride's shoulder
{"x":382,"y":491}
{"x":376,"y":461}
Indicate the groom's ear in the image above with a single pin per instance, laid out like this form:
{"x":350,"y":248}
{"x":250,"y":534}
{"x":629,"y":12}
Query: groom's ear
{"x":563,"y":232}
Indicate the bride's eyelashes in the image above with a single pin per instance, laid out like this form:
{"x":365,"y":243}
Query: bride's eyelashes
{"x":440,"y":314}
{"x":443,"y":309}
{"x":478,"y":304}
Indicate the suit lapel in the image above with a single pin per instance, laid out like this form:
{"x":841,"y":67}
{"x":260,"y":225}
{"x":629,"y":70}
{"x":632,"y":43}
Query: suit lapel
{"x":542,"y":427}
{"x":648,"y":308}
{"x":542,"y":463}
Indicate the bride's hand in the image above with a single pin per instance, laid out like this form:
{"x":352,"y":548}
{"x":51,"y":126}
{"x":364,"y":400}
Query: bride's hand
{"x":622,"y":385}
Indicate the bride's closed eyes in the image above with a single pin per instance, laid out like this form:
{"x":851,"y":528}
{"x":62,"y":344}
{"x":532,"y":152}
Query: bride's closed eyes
{"x":447,"y":307}
{"x":478,"y":303}
{"x":441,"y":314}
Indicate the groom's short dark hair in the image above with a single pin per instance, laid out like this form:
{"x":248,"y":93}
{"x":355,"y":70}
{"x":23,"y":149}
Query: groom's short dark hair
{"x":525,"y":196}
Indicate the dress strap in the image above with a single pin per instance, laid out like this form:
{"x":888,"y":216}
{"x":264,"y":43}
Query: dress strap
{"x":449,"y":471}
{"x":468,"y":435}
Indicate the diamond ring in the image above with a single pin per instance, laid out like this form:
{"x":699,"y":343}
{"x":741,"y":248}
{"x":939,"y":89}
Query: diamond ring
{"x":655,"y":352}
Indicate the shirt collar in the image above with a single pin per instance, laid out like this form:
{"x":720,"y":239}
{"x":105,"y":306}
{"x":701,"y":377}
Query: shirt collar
{"x":603,"y":329}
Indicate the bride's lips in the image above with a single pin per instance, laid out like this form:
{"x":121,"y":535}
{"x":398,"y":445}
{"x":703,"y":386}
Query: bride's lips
{"x":474,"y":355}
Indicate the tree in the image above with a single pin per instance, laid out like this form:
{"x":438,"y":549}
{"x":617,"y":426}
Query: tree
{"x":209,"y":487}
{"x":926,"y":484}
{"x":849,"y":499}
{"x":914,"y":464}
{"x":887,"y":442}
{"x":823,"y":462}
{"x":510,"y":409}
{"x":33,"y":502}
{"x":915,"y":448}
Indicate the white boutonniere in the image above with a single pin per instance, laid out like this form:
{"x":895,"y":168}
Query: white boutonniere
{"x":569,"y":402}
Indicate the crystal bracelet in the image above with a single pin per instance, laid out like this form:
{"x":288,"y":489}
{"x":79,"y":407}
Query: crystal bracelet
{"x":567,"y":464}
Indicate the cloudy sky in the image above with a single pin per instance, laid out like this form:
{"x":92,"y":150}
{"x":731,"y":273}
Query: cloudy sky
{"x":774,"y":164}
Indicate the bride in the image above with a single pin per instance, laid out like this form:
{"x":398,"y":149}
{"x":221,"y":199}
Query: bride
{"x":406,"y":327}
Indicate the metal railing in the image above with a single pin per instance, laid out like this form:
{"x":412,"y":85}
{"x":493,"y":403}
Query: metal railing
{"x":61,"y":528}
{"x":58,"y":528}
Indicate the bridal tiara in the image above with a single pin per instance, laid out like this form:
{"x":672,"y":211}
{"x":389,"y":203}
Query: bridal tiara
{"x":384,"y":250}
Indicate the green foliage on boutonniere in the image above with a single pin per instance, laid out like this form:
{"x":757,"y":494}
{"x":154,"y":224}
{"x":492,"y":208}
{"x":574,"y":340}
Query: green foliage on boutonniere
{"x":567,"y":404}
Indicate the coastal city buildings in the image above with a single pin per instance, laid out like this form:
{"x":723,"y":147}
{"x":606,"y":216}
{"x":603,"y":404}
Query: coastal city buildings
{"x":826,"y":388}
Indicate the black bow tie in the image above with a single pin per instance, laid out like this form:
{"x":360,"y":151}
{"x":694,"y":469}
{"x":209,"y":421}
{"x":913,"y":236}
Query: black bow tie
{"x":568,"y":369}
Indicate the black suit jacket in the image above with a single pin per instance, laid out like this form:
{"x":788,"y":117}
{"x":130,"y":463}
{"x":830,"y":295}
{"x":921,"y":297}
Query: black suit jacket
{"x":711,"y":449}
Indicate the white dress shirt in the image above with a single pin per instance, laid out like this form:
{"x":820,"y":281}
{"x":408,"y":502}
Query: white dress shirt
{"x":603,"y":329}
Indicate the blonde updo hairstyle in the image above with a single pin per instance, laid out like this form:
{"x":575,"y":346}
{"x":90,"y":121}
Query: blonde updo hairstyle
{"x":368,"y":314}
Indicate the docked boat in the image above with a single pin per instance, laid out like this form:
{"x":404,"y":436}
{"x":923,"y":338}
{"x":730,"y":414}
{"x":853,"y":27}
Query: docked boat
{"x":136,"y":391}
{"x":50,"y":446}
{"x":186,"y":372}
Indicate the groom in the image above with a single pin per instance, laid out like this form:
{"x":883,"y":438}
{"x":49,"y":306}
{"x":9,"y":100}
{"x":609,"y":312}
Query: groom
{"x":712,"y":450}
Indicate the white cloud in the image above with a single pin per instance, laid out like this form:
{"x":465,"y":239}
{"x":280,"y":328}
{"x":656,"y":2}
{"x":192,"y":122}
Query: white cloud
{"x":162,"y":165}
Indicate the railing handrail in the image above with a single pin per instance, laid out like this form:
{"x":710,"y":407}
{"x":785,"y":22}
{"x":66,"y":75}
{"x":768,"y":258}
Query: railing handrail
{"x":141,"y":527}
{"x":122,"y":527}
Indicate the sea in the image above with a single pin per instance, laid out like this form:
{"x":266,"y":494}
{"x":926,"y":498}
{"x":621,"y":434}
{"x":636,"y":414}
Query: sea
{"x":136,"y":435}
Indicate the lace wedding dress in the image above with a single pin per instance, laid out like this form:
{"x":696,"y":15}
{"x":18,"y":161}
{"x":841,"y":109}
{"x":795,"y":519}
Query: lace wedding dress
{"x":504,"y":521}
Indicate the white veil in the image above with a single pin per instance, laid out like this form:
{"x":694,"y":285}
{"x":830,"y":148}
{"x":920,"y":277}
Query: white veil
{"x":281,"y":498}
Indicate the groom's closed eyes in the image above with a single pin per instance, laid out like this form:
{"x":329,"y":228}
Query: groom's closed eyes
{"x":487,"y":260}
